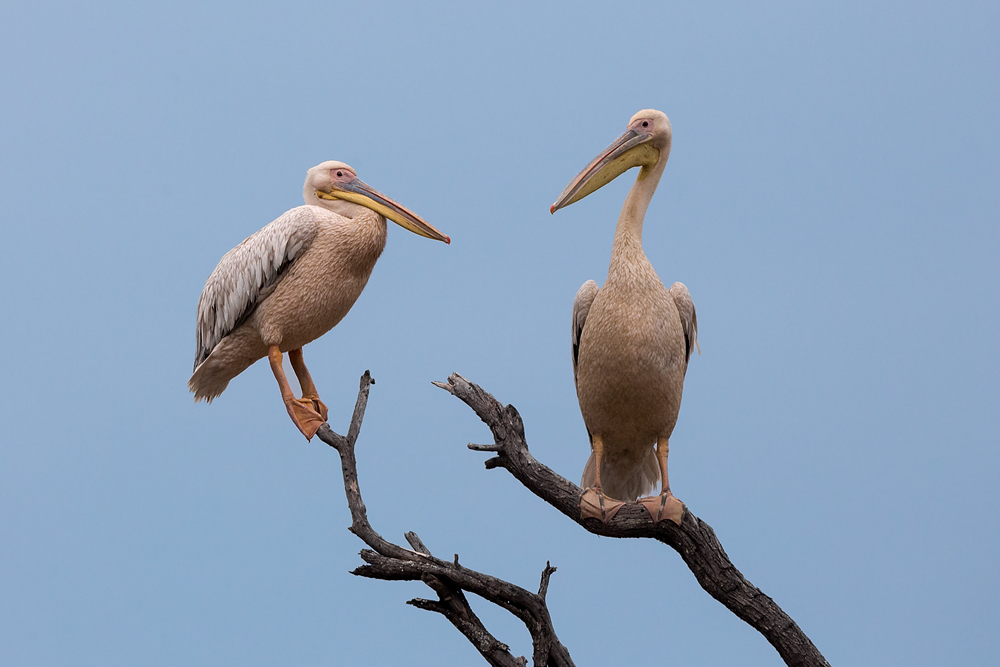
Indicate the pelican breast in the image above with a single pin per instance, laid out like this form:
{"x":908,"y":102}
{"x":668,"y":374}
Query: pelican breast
{"x":632,"y":361}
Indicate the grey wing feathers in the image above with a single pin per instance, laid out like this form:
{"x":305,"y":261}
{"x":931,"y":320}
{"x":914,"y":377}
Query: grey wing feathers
{"x":581,"y":308}
{"x":689,"y":318}
{"x":247,"y":274}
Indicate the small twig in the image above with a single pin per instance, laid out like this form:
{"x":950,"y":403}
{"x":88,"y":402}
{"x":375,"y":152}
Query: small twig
{"x":543,"y":587}
{"x":415,"y":542}
{"x":443,"y":385}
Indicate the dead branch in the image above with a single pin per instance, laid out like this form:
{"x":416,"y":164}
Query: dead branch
{"x":694,"y":539}
{"x":447,"y":579}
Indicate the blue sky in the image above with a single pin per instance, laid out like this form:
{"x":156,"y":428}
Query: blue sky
{"x":831,"y":202}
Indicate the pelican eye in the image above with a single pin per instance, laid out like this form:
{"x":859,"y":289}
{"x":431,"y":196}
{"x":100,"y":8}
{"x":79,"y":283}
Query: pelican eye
{"x":645,"y":123}
{"x":340,"y":173}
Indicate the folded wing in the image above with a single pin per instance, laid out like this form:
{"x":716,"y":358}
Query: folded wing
{"x":247,"y":274}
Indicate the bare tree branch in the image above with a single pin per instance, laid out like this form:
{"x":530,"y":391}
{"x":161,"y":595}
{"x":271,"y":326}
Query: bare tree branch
{"x":448,"y":580}
{"x":693,"y":539}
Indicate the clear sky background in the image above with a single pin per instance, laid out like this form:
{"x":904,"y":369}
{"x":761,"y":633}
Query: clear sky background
{"x":831,"y":201}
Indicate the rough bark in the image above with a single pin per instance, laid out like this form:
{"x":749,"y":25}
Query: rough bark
{"x":693,"y":539}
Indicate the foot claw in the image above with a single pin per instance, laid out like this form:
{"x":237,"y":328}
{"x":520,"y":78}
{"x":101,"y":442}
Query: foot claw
{"x":663,"y":506}
{"x":595,"y":505}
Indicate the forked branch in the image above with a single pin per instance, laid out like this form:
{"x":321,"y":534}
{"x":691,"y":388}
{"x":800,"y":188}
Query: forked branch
{"x":449,"y":580}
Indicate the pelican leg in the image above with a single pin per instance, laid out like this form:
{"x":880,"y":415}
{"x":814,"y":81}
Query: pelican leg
{"x":594,"y":504}
{"x":664,"y":506}
{"x":301,"y":410}
{"x":306,"y":382}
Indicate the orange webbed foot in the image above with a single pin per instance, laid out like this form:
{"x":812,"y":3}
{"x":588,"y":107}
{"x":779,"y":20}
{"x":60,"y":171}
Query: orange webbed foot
{"x":595,"y":505}
{"x":663,"y":506}
{"x":305,"y":416}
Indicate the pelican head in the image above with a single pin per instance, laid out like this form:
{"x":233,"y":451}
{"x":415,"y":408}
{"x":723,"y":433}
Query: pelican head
{"x":645,"y":140}
{"x":332,"y":181}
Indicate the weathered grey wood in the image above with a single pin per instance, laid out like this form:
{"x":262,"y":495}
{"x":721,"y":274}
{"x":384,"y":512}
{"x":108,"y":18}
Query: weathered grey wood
{"x":694,"y":539}
{"x":449,"y":580}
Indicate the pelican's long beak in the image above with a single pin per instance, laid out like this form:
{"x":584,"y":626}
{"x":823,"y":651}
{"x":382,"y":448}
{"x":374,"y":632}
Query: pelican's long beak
{"x":632,"y":149}
{"x":369,"y":197}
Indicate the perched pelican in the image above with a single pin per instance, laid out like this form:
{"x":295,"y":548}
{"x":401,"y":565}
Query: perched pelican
{"x":291,"y":282}
{"x":632,"y":339}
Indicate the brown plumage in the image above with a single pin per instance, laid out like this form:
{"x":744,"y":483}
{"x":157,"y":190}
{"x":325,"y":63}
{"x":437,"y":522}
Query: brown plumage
{"x":632,"y":338}
{"x":293,"y":281}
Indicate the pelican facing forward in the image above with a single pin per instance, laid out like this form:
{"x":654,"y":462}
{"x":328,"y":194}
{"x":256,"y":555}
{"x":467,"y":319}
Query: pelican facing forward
{"x":291,"y":282}
{"x":632,"y":339}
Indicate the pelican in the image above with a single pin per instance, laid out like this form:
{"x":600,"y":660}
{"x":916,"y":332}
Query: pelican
{"x":291,"y":282}
{"x":632,"y":339}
